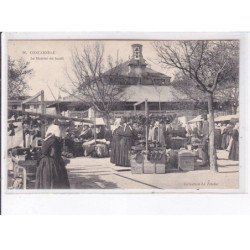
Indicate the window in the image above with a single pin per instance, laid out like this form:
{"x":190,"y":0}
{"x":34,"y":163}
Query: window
{"x":137,"y":53}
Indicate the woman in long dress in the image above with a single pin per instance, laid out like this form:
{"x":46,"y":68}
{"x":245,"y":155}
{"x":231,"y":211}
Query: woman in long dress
{"x":115,"y":143}
{"x":126,"y":134}
{"x":217,"y":137}
{"x":168,"y":135}
{"x":51,"y":172}
{"x":234,"y":149}
{"x":224,"y":132}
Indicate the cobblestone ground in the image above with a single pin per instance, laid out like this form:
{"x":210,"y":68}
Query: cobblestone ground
{"x":93,"y":173}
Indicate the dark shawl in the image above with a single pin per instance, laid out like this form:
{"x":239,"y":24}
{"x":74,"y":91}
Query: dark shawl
{"x":51,"y":172}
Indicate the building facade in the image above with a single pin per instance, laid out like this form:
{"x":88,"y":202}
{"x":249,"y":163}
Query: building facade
{"x":140,"y":82}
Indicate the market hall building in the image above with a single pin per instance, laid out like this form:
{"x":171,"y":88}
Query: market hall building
{"x":142,"y":82}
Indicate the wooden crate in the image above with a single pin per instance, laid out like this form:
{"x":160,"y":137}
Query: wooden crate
{"x":149,"y":167}
{"x":172,"y":160}
{"x":140,"y":164}
{"x":136,"y":163}
{"x":186,"y":160}
{"x":160,"y":166}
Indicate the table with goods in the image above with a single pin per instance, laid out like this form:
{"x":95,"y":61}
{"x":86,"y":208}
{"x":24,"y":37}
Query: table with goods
{"x":151,"y":157}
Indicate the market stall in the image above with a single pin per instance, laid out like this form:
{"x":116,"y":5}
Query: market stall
{"x":152,"y":156}
{"x":227,"y":118}
{"x":25,"y":155}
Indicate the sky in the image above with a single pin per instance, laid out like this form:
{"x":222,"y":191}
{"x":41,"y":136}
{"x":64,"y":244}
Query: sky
{"x":49,"y":74}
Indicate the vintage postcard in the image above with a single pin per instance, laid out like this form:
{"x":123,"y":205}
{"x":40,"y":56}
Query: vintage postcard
{"x":146,"y":113}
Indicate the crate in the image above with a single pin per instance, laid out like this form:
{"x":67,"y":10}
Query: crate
{"x":186,"y":160}
{"x":160,"y":167}
{"x":136,"y":163}
{"x":172,"y":160}
{"x":142,"y":164}
{"x":149,"y":167}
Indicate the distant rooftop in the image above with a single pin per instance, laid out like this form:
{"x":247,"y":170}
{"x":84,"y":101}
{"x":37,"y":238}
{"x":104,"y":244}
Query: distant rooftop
{"x":137,"y":67}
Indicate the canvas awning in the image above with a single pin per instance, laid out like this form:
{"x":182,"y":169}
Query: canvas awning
{"x":226,"y":118}
{"x":196,"y":119}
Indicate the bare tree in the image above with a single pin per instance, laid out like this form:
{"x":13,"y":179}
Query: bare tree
{"x":207,"y":64}
{"x":95,"y":80}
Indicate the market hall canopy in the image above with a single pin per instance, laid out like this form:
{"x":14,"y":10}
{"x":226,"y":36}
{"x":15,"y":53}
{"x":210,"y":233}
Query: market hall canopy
{"x":138,"y":93}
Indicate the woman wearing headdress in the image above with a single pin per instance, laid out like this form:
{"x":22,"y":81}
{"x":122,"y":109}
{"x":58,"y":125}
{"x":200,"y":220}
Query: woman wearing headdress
{"x":217,"y":136}
{"x":224,"y":132}
{"x":234,"y":149}
{"x":115,"y":143}
{"x":151,"y":131}
{"x":168,"y":135}
{"x":51,"y":172}
{"x":156,"y":131}
{"x":126,"y":134}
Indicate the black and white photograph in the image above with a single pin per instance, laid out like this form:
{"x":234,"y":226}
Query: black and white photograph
{"x":123,"y":114}
{"x":124,"y":125}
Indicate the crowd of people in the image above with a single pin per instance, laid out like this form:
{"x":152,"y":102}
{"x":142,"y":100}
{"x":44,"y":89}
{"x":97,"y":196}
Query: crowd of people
{"x":127,"y":132}
{"x":31,"y":130}
{"x":123,"y":134}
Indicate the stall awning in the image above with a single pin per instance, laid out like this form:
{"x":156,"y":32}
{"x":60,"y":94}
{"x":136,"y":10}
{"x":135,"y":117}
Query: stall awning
{"x":196,"y":119}
{"x":226,"y":118}
{"x":60,"y":117}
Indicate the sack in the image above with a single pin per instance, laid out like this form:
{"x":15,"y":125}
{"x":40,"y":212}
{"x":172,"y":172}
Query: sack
{"x":88,"y":149}
{"x":101,"y":151}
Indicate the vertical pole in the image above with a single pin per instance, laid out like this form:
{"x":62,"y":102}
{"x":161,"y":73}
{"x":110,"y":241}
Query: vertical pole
{"x":94,"y":125}
{"x":43,"y":124}
{"x":134,"y":109}
{"x":22,"y":107}
{"x":146,"y":114}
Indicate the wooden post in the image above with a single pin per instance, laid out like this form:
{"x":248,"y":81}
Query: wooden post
{"x":23,"y":109}
{"x":43,"y":111}
{"x":146,"y":114}
{"x":94,"y":125}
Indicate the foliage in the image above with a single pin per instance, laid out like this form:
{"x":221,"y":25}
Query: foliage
{"x":18,"y":72}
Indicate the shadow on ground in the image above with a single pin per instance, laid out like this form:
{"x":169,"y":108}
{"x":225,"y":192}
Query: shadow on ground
{"x":89,"y":182}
